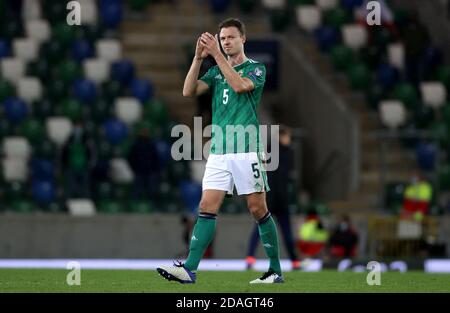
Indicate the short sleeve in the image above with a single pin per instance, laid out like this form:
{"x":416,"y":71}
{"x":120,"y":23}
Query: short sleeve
{"x":257,"y":74}
{"x":208,"y":78}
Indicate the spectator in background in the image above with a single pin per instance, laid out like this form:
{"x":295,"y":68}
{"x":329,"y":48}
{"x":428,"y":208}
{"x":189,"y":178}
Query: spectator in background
{"x":417,"y":197}
{"x":277,"y":201}
{"x":416,"y":40}
{"x":77,"y":162}
{"x":312,"y":235}
{"x":144,"y":161}
{"x":344,"y":239}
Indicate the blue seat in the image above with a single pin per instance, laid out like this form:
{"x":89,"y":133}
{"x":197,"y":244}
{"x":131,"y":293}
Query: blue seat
{"x":42,"y":169}
{"x":111,"y":13}
{"x":326,"y":37}
{"x":5,"y":49}
{"x":116,"y":131}
{"x":351,"y":4}
{"x":85,"y":90}
{"x":16,"y":110}
{"x":43,"y":192}
{"x":164,"y":151}
{"x":426,"y":156}
{"x":123,"y":71}
{"x":219,"y":6}
{"x":141,"y":89}
{"x":387,"y":75}
{"x":191,"y":193}
{"x":82,"y":49}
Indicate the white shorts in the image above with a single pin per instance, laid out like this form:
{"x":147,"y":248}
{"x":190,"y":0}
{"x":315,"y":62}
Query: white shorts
{"x":243,"y":170}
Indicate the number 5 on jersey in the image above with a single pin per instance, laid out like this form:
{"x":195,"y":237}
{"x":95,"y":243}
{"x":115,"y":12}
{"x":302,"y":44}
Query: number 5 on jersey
{"x":225,"y":96}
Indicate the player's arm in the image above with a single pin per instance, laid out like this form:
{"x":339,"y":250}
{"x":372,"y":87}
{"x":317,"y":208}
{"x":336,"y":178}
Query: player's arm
{"x":237,"y":83}
{"x":192,"y":85}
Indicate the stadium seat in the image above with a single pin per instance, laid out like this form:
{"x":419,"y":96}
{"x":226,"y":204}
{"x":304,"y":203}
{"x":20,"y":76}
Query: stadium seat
{"x":38,"y":30}
{"x":444,"y":177}
{"x":82,"y":49}
{"x":219,"y":6}
{"x":63,"y":34}
{"x":32,"y":130}
{"x":31,"y":10}
{"x":423,"y":116}
{"x":138,"y":5}
{"x":111,"y":14}
{"x":247,"y":6}
{"x":190,"y":192}
{"x":279,"y":19}
{"x":68,"y":71}
{"x":155,"y":111}
{"x":392,"y":113}
{"x":111,"y":89}
{"x":58,"y":129}
{"x":39,"y":68}
{"x":43,"y":192}
{"x":15,"y":169}
{"x":89,"y":14}
{"x":42,"y":169}
{"x":337,"y":17}
{"x":351,"y":4}
{"x":341,"y":56}
{"x":15,"y":110}
{"x":52,"y":51}
{"x":6,"y":90}
{"x":434,"y":94}
{"x":446,"y":113}
{"x":141,"y":89}
{"x":96,"y":70}
{"x":5,"y":49}
{"x":394,"y":196}
{"x":16,"y":148}
{"x":396,"y":55}
{"x":108,"y":49}
{"x":407,"y":94}
{"x":141,"y":207}
{"x":327,"y":4}
{"x":274,"y":4}
{"x":115,"y":130}
{"x":309,"y":17}
{"x":164,"y":151}
{"x":443,"y":75}
{"x":56,"y":91}
{"x":326,"y":37}
{"x":128,"y":110}
{"x":11,"y":29}
{"x":55,"y":11}
{"x":440,"y":131}
{"x":387,"y":75}
{"x":374,"y":94}
{"x":85,"y":90}
{"x":12,"y":69}
{"x":109,"y":207}
{"x":123,"y":71}
{"x":22,"y":206}
{"x":120,"y":171}
{"x":359,"y":76}
{"x":426,"y":156}
{"x":354,"y":36}
{"x":72,"y":109}
{"x":371,"y":55}
{"x":29,"y":89}
{"x":81,"y":207}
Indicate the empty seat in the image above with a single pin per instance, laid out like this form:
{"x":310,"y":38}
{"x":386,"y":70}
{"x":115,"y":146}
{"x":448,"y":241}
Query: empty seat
{"x":274,"y":4}
{"x":128,"y":110}
{"x":354,"y":35}
{"x":31,"y":10}
{"x":12,"y":69}
{"x":29,"y":89}
{"x":434,"y":94}
{"x":392,"y":113}
{"x":26,"y":49}
{"x":16,"y":148}
{"x":58,"y":129}
{"x":309,"y":17}
{"x":38,"y":30}
{"x":81,"y":207}
{"x":109,"y":49}
{"x":396,"y":55}
{"x":327,"y":4}
{"x":97,"y":70}
{"x":120,"y":171}
{"x":15,"y":169}
{"x":89,"y":14}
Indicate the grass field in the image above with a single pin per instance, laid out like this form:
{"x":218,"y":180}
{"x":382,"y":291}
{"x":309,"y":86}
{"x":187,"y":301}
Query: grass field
{"x":53,"y":280}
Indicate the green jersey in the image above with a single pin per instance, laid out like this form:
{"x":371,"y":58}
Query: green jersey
{"x":235,"y":124}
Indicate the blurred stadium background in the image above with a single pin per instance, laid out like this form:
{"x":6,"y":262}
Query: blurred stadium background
{"x":368,"y":104}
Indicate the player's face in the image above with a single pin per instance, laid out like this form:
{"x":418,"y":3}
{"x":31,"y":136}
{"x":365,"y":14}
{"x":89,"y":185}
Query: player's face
{"x":232,"y":41}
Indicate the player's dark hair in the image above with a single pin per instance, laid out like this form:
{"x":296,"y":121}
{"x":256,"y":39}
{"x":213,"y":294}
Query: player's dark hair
{"x":230,"y":22}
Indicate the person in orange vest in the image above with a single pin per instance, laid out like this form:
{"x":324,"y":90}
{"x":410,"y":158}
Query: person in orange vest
{"x":312,"y":235}
{"x":417,"y":197}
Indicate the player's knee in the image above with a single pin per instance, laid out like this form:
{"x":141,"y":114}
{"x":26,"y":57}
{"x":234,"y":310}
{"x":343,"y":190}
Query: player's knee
{"x":258,"y":211}
{"x":207,"y":206}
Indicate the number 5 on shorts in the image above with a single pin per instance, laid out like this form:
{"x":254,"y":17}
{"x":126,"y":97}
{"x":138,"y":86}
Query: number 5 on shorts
{"x":256,"y":173}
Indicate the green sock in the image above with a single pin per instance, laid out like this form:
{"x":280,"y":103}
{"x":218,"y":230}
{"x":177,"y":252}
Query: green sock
{"x":269,"y":239}
{"x":202,"y":235}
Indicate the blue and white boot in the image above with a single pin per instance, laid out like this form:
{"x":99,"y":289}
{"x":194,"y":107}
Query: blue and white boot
{"x":177,"y":272}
